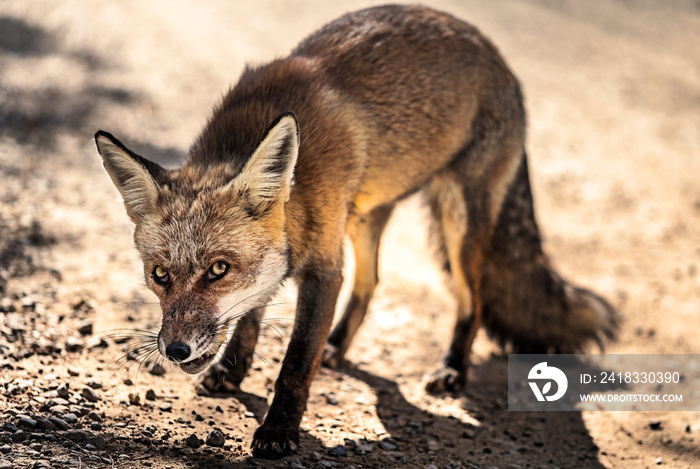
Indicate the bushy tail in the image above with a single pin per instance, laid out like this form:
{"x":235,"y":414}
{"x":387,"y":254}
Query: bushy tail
{"x":526,"y":304}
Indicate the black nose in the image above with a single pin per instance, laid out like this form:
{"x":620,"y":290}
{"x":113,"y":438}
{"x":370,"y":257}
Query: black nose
{"x":177,"y":352}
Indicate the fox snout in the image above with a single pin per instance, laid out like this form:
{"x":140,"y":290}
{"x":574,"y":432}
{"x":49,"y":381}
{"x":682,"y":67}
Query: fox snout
{"x":190,"y":335}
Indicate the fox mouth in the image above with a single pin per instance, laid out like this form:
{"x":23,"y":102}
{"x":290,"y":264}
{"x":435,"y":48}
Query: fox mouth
{"x":198,"y":364}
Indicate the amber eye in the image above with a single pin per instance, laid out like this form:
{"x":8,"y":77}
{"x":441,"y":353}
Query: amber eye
{"x":161,"y":276}
{"x":217,"y":270}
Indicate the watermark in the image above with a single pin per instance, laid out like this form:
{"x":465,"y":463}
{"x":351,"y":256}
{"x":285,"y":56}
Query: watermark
{"x":603,"y":382}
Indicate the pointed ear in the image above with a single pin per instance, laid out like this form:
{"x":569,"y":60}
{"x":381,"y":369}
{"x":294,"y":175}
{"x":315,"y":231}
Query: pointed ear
{"x":134,"y":176}
{"x":267,"y":176}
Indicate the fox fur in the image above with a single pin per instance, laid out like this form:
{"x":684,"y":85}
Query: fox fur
{"x":309,"y":149}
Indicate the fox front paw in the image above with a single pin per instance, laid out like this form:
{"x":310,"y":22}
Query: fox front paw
{"x":332,"y":358}
{"x":272,"y":442}
{"x":216,"y":380}
{"x":445,"y":379}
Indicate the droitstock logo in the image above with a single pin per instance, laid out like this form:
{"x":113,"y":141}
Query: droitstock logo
{"x":541,"y":373}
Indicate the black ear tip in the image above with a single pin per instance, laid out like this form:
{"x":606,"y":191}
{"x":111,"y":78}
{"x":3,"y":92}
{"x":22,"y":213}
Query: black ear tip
{"x":102,"y":133}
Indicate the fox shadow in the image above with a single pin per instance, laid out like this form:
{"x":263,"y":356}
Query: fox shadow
{"x":501,"y":437}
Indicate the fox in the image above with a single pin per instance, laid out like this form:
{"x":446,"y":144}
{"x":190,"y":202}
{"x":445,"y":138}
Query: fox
{"x":321,"y":145}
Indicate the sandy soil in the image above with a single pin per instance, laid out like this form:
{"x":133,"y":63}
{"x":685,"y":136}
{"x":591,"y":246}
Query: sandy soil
{"x":613,"y":95}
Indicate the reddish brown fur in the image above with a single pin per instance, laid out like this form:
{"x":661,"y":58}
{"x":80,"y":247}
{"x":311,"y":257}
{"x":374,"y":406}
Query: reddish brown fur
{"x":389,"y":101}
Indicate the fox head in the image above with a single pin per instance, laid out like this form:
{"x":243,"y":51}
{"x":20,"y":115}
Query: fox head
{"x":212,"y":239}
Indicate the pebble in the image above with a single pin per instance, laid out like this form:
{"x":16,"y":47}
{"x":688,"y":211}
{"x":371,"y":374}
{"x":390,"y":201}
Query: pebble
{"x":134,"y":398}
{"x":151,"y":395}
{"x":94,"y":384}
{"x":70,"y":418}
{"x":95,"y":426}
{"x":387,"y":445}
{"x":325,"y":463}
{"x":5,"y":464}
{"x":659,"y":461}
{"x":85,"y":327}
{"x":27,"y":422}
{"x":4,"y":449}
{"x":315,"y":456}
{"x":72,"y":372}
{"x":94,"y":416}
{"x":249,"y":415}
{"x":43,"y":423}
{"x":63,"y":390}
{"x":156,"y":369}
{"x":193,"y":441}
{"x":77,"y":435}
{"x":36,"y":446}
{"x":338,"y":451}
{"x":59,"y":422}
{"x":295,"y":463}
{"x":19,"y":435}
{"x":363,"y":448}
{"x":655,"y":425}
{"x":166,"y":407}
{"x":74,"y":344}
{"x":216,"y":438}
{"x":89,"y":394}
{"x":433,"y":445}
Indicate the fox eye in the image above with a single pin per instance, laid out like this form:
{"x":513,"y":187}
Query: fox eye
{"x":217,"y":270}
{"x":161,"y":276}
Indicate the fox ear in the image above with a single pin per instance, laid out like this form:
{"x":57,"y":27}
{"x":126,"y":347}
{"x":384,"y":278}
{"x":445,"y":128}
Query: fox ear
{"x":267,"y":176}
{"x":134,"y":176}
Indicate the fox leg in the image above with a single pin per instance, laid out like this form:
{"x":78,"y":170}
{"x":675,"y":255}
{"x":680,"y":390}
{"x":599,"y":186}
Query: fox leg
{"x":365,"y":234}
{"x":318,"y":293}
{"x":227,"y":374}
{"x":462,"y":236}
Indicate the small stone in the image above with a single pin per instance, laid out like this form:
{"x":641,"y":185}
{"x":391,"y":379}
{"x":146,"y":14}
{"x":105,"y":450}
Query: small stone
{"x":94,"y":416}
{"x":27,"y":422}
{"x":42,"y":423}
{"x":95,"y":426}
{"x":89,"y":394}
{"x":331,"y":398}
{"x":4,"y":449}
{"x":9,"y":426}
{"x":166,"y":407}
{"x":193,"y":441}
{"x":63,"y":390}
{"x":338,"y":451}
{"x":216,"y":438}
{"x":72,"y":372}
{"x":655,"y":425}
{"x":19,"y":435}
{"x":98,"y":442}
{"x":433,"y":445}
{"x":59,"y":409}
{"x":387,"y":445}
{"x":36,"y":446}
{"x":70,"y":418}
{"x":156,"y":369}
{"x":94,"y":384}
{"x":85,"y":327}
{"x":659,"y":461}
{"x":315,"y":456}
{"x":363,"y":448}
{"x":59,"y":422}
{"x":249,"y":415}
{"x":78,"y":435}
{"x":74,"y":344}
{"x":5,"y":464}
{"x":134,"y":398}
{"x":6,"y":306}
{"x":151,"y":395}
{"x":324,"y":463}
{"x":295,"y":463}
{"x":128,"y":382}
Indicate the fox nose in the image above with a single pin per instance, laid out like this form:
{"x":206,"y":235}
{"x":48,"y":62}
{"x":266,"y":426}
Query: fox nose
{"x":177,"y":352}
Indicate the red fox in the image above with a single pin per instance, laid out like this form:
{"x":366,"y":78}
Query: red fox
{"x":375,"y":106}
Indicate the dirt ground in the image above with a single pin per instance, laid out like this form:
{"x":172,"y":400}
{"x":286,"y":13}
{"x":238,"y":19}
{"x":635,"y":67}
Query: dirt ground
{"x":613,"y":95}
